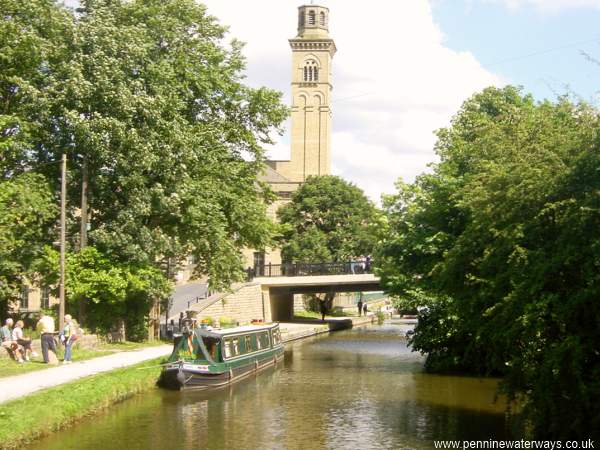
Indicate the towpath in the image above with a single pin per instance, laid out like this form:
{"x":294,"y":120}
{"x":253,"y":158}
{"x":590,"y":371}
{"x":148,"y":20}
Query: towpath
{"x":18,"y":386}
{"x":12,"y":388}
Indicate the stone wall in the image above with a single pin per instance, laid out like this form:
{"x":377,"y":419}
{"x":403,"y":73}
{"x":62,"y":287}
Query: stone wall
{"x":85,"y":341}
{"x":243,"y":305}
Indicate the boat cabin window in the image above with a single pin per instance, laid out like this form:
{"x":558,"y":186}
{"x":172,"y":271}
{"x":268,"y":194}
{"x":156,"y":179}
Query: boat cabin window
{"x":236,"y":346}
{"x":211,"y":345}
{"x":264,"y":339}
{"x":248,"y":347}
{"x":258,"y":343}
{"x":227,"y":346}
{"x":276,"y":336}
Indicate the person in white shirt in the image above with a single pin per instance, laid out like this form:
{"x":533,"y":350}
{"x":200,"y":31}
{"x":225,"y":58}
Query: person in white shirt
{"x":25,"y":343}
{"x":46,"y":328}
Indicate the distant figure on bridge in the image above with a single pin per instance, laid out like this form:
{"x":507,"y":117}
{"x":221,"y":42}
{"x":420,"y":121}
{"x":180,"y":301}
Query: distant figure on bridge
{"x":368,"y":264}
{"x":360,"y":306}
{"x":365,"y":309}
{"x":362,"y":264}
{"x":323,"y":307}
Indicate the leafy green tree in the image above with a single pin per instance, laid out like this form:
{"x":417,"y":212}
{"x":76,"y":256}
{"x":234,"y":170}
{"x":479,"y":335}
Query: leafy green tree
{"x":500,"y":242}
{"x":151,"y":108}
{"x":114,"y":292}
{"x":27,"y":215}
{"x":328,"y":220}
{"x":34,"y":37}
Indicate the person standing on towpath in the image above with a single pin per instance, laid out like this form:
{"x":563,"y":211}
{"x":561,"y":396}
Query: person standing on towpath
{"x":46,"y":328}
{"x":68,"y":337}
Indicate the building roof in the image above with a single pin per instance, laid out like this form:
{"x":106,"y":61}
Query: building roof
{"x":271,"y":176}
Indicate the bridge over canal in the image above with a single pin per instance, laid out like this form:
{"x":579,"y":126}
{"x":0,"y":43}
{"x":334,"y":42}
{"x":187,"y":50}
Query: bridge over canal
{"x":269,"y":293}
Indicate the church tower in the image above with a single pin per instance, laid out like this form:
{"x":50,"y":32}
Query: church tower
{"x":312,"y":54}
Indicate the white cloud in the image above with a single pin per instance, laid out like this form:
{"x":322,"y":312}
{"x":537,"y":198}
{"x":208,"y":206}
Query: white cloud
{"x":394,"y":80}
{"x":552,"y":6}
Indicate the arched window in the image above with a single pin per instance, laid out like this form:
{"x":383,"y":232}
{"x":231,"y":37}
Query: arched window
{"x":301,"y":19}
{"x":311,"y":71}
{"x":322,"y":19}
{"x":311,"y":18}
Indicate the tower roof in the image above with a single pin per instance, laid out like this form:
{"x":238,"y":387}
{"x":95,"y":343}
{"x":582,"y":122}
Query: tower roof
{"x":313,"y":22}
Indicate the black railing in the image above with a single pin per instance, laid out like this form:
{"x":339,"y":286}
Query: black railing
{"x":310,"y":269}
{"x":200,"y":297}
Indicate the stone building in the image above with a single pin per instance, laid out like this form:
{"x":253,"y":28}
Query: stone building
{"x":34,"y":298}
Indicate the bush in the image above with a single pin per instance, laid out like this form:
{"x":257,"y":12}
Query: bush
{"x":227,"y":322}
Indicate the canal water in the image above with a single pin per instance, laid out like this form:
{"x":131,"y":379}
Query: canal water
{"x":355,"y":389}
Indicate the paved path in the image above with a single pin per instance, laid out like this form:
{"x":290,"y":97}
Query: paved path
{"x":18,"y":386}
{"x":183,"y":294}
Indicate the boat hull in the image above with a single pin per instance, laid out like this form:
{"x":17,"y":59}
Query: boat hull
{"x":184,"y":376}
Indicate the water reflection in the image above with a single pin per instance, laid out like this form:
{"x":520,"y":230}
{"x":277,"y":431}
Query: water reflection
{"x":358,"y":389}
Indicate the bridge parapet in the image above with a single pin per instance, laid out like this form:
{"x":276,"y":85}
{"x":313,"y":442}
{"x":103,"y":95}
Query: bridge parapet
{"x":312,"y":269}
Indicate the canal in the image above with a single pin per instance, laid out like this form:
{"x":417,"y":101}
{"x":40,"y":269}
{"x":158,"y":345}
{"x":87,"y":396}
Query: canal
{"x":355,"y":389}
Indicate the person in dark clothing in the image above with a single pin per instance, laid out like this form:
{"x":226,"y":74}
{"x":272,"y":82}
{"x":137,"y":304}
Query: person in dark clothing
{"x":171,"y":329}
{"x":365,"y":309}
{"x":360,"y":305}
{"x":323,"y":310}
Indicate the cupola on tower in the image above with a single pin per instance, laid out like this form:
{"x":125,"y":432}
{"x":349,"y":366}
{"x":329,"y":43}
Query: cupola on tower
{"x":312,"y":54}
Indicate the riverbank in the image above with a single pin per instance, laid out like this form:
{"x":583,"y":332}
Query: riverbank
{"x":306,"y":327}
{"x":9,"y":368}
{"x":29,"y":418}
{"x":19,"y":386}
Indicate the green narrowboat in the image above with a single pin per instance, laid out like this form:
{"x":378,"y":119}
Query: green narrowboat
{"x":205,"y":358}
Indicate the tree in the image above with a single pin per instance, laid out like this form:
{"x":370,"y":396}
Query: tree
{"x":144,"y":94}
{"x":34,"y":38}
{"x":328,"y":220}
{"x":500,"y":241}
{"x":117,"y":295}
{"x":28,"y":213}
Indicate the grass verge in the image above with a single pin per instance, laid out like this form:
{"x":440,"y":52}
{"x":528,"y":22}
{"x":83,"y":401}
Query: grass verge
{"x":29,"y":418}
{"x":8,"y":367}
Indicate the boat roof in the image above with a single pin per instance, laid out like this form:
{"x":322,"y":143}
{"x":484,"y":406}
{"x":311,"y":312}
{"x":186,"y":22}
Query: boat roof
{"x":220,"y":332}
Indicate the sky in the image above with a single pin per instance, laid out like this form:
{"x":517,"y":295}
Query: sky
{"x":404,"y":67}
